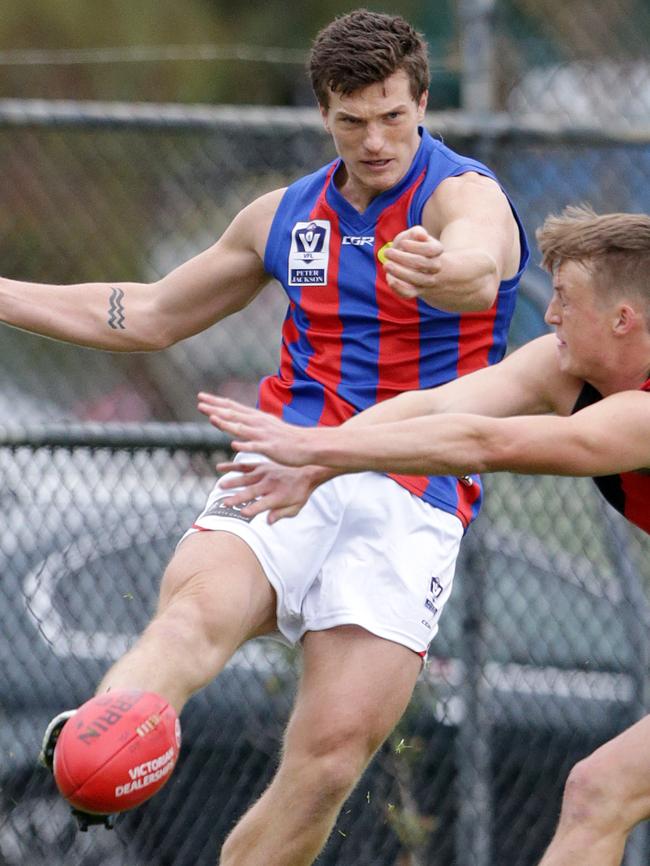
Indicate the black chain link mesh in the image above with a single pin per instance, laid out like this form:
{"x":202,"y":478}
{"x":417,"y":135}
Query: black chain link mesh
{"x":584,"y":62}
{"x":540,"y":657}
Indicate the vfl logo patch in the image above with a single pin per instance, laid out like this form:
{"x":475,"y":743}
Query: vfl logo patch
{"x":435,"y":588}
{"x":309,"y":254}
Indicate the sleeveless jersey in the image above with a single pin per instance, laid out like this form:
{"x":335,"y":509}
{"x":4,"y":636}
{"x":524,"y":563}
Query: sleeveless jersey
{"x":348,"y":340}
{"x":628,"y":492}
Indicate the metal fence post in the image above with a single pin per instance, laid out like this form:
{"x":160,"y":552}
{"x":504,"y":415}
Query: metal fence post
{"x":478,"y":53}
{"x":473,"y":841}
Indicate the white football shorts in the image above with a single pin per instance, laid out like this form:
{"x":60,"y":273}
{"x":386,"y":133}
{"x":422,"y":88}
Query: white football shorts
{"x":362,"y":551}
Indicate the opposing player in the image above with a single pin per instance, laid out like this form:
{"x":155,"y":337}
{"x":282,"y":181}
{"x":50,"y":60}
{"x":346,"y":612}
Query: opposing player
{"x":581,"y":406}
{"x":401,"y":260}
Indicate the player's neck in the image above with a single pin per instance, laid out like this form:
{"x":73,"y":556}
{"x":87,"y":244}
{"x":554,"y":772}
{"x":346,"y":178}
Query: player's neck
{"x":629,"y":373}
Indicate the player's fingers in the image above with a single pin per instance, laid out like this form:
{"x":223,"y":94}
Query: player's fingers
{"x":247,"y":447}
{"x":207,"y":403}
{"x":419,"y":279}
{"x":415,"y":263}
{"x":230,"y":423}
{"x":218,"y":400}
{"x":428,"y":246}
{"x":276,"y":514}
{"x":226,"y":410}
{"x":401,"y":288}
{"x":253,"y":509}
{"x":237,"y":466}
{"x":236,"y":481}
{"x":417,"y":233}
{"x":260,"y":505}
{"x":244,"y":495}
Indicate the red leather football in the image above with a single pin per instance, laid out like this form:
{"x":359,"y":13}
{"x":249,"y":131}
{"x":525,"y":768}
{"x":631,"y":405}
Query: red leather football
{"x":117,"y":750}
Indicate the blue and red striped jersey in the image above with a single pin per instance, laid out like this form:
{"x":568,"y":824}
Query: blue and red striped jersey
{"x":628,"y":492}
{"x":348,"y":340}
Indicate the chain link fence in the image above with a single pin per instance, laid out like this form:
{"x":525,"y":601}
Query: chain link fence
{"x":541,"y":656}
{"x":543,"y":649}
{"x":584,"y":62}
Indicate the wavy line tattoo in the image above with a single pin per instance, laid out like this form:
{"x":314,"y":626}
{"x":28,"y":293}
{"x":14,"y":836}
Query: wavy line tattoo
{"x":116,"y":310}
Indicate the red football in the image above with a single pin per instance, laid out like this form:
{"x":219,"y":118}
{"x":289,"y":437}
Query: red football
{"x":117,"y":750}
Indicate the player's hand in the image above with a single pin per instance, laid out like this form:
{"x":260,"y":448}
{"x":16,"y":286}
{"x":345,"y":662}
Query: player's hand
{"x":280,"y":490}
{"x":255,"y":431}
{"x":413,"y":263}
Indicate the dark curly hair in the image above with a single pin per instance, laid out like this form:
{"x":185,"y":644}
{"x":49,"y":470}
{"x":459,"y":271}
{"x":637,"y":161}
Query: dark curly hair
{"x":363,"y":48}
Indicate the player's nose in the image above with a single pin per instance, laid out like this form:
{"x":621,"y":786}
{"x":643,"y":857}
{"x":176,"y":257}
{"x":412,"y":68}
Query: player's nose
{"x":374,"y":138}
{"x":552,"y":316}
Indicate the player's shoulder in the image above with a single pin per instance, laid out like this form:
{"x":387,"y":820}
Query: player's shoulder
{"x":537,"y":366}
{"x":265,"y":206}
{"x":540,"y":351}
{"x":252,"y":224}
{"x":467,"y":194}
{"x":472,"y":183}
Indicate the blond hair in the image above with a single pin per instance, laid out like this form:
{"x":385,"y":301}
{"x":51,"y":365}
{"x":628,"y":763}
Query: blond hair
{"x":615,"y":247}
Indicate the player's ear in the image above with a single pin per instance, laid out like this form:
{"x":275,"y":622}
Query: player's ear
{"x":626,"y":319}
{"x":323,"y":113}
{"x":422,"y":104}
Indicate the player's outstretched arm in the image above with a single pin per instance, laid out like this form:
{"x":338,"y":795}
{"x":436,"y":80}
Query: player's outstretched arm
{"x":468,"y":242}
{"x":526,"y":381}
{"x":129,"y":316}
{"x":608,"y":437}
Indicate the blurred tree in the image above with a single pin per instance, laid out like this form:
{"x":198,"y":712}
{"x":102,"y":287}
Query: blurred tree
{"x":75,"y":24}
{"x":619,"y":29}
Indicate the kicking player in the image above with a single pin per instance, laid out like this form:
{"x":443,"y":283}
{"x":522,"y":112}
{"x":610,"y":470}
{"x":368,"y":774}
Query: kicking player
{"x":401,"y":260}
{"x":573,"y":403}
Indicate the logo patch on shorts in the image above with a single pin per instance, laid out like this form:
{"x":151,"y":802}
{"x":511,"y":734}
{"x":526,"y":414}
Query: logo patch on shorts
{"x":435,"y":591}
{"x":218,"y":508}
{"x":430,"y":606}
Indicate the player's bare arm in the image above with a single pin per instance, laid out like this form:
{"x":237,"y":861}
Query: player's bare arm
{"x":126,"y":316}
{"x":606,"y":438}
{"x":609,"y":437}
{"x":468,"y":243}
{"x":527,"y":381}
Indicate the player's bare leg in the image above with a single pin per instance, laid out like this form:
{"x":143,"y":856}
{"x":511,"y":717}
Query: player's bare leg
{"x":354,"y":689}
{"x":214,"y":596}
{"x":606,"y":795}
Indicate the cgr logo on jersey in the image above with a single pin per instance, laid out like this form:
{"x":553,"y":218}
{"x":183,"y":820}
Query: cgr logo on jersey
{"x":351,"y":240}
{"x":309,"y":254}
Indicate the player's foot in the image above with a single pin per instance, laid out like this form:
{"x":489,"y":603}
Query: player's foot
{"x":46,"y":757}
{"x":52,"y":733}
{"x":86,"y":820}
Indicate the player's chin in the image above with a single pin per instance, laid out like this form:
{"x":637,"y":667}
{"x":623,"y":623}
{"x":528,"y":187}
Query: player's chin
{"x":571,"y":367}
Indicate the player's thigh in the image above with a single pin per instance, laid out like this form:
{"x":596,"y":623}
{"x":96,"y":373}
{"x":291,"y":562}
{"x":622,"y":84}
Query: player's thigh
{"x":218,"y":574}
{"x":622,"y":767}
{"x":354,"y":689}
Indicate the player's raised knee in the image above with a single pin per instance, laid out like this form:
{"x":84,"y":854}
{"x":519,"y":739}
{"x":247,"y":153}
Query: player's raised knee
{"x":588,"y":797}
